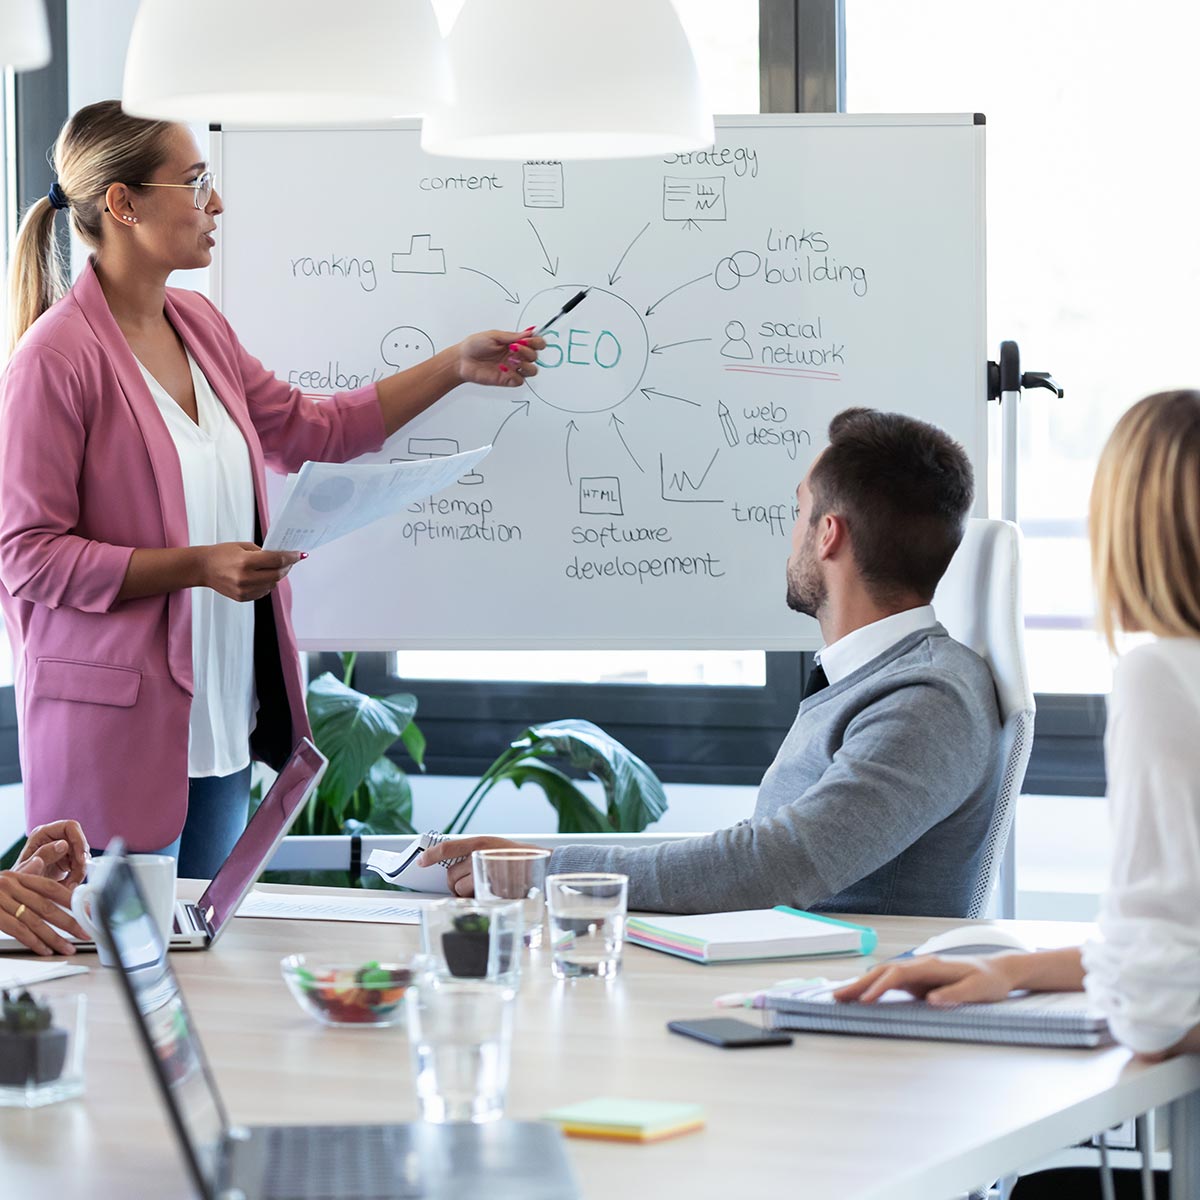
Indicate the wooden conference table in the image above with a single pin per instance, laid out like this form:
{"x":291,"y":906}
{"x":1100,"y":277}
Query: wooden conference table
{"x":828,"y":1117}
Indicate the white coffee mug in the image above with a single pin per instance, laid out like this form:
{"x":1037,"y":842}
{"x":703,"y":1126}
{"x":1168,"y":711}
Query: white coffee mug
{"x":155,"y":874}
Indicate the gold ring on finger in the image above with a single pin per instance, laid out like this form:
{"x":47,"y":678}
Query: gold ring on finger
{"x":19,"y":911}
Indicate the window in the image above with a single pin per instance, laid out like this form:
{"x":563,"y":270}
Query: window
{"x":1093,"y":250}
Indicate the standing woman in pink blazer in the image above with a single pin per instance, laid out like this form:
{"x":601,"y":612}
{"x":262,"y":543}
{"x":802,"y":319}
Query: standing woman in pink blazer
{"x":153,"y":647}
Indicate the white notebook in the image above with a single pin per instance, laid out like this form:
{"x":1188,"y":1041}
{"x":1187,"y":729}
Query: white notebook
{"x":759,"y":933}
{"x":18,"y":973}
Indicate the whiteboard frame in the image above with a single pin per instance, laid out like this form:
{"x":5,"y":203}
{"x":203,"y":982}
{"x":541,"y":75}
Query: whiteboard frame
{"x":807,"y":635}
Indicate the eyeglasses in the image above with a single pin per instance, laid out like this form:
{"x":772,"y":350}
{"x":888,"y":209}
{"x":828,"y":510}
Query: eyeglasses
{"x":202,"y":188}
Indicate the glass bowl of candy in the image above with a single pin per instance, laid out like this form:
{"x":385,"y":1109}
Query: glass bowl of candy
{"x":350,"y":994}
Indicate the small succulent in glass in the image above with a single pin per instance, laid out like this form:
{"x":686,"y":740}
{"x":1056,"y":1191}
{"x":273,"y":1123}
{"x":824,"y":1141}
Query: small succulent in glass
{"x":32,"y":1047}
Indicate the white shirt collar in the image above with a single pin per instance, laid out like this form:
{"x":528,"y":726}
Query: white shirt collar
{"x":856,"y":649}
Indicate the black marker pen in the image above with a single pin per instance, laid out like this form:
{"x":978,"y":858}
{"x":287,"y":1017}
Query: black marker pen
{"x":566,"y":308}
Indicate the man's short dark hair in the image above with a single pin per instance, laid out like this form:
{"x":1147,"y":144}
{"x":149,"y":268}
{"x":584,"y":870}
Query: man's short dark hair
{"x":904,"y":489}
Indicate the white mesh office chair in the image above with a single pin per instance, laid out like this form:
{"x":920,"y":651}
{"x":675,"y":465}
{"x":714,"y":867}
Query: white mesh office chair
{"x":979,"y":602}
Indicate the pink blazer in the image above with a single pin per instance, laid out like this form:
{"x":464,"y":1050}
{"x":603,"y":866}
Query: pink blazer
{"x":88,"y":473}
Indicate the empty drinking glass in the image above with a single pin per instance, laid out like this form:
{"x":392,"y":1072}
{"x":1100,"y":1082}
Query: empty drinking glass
{"x":460,"y":1032}
{"x":587,"y":924}
{"x":515,"y":874}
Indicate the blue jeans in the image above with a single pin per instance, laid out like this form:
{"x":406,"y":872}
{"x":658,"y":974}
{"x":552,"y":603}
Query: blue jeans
{"x":217,"y":809}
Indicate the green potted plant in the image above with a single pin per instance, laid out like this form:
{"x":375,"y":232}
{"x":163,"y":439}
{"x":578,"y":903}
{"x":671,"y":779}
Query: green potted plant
{"x":466,"y":946}
{"x":365,"y":792}
{"x":32,"y":1048}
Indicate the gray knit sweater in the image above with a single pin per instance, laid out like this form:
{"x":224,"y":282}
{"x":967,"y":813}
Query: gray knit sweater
{"x":877,"y":802}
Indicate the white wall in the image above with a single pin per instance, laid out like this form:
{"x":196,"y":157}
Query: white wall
{"x":97,"y":35}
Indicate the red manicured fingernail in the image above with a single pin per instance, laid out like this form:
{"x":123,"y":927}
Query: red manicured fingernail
{"x":503,"y":367}
{"x":303,"y":553}
{"x":530,"y":329}
{"x":512,"y":346}
{"x":522,"y":341}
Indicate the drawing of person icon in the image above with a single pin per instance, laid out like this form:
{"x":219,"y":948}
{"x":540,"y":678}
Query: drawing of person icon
{"x":736,"y":346}
{"x":405,"y":346}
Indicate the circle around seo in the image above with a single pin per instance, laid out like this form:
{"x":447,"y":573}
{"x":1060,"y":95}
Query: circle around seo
{"x":595,"y":355}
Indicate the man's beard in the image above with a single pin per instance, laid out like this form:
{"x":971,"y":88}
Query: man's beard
{"x":806,"y":592}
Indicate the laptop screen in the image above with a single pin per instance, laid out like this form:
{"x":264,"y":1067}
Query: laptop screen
{"x":272,"y":819}
{"x":168,"y":1033}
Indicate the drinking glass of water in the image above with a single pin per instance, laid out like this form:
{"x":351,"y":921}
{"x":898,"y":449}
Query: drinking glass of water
{"x":587,"y":924}
{"x":460,"y":1032}
{"x":515,"y":874}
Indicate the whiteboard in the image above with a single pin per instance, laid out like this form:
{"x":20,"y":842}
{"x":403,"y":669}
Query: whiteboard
{"x":640,"y":491}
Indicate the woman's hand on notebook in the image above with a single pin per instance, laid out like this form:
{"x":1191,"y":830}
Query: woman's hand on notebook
{"x":937,"y":980}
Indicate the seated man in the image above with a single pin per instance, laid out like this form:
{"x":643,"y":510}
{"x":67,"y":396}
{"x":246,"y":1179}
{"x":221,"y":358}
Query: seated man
{"x":35,"y":896}
{"x":880,"y":796}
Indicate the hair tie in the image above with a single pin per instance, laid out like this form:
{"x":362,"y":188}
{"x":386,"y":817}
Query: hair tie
{"x":57,"y":197}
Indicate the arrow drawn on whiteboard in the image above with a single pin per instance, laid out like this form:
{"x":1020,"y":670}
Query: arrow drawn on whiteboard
{"x":551,"y":268}
{"x":512,"y":298}
{"x":616,"y":423}
{"x":613,"y":276}
{"x":672,"y":292}
{"x":690,"y":341}
{"x":570,"y":425}
{"x":523,"y":406}
{"x":648,"y":392}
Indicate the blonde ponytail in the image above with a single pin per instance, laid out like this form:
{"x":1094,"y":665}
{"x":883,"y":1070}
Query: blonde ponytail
{"x":100,"y":145}
{"x":37,"y":277}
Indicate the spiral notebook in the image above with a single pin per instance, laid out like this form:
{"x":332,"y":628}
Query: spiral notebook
{"x":1037,"y":1019}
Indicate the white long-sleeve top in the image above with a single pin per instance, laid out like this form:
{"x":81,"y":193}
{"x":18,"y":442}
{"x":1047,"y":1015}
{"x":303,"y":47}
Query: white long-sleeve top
{"x":1143,"y":971}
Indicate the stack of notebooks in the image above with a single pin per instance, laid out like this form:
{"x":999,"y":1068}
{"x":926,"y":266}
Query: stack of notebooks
{"x":762,"y":933}
{"x":627,"y":1120}
{"x":1038,"y":1019}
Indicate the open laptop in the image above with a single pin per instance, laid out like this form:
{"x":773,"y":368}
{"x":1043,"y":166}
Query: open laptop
{"x":199,"y":924}
{"x":506,"y":1160}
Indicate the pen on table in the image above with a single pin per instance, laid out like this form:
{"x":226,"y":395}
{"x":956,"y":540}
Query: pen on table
{"x":811,"y":989}
{"x":566,"y":308}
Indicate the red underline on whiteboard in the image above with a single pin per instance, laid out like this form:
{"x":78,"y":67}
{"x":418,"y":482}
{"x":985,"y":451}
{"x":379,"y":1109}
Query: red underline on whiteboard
{"x":822,"y":376}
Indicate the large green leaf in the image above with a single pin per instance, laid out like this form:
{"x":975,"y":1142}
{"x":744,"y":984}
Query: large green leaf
{"x":414,"y":743}
{"x":633,"y":792}
{"x":576,"y":813}
{"x":391,"y":798}
{"x":352,"y":730}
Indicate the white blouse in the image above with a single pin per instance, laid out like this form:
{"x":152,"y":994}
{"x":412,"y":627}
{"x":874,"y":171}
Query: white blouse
{"x":1144,"y":970}
{"x":218,"y":490}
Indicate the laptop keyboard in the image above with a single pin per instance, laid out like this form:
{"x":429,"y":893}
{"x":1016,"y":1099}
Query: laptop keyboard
{"x":331,"y":1162}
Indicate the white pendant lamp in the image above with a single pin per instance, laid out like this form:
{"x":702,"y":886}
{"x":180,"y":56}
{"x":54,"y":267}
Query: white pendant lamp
{"x":563,"y":79}
{"x":283,"y":62}
{"x":24,"y":35}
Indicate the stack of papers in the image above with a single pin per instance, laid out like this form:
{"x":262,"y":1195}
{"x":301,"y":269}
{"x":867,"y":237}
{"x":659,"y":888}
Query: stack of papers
{"x":326,"y":501}
{"x":627,"y":1120}
{"x":759,"y":933}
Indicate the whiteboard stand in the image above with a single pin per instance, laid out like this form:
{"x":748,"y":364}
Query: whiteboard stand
{"x":1005,"y":384}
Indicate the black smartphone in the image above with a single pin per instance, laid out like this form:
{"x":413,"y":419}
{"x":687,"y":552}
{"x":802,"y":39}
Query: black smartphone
{"x":729,"y":1034}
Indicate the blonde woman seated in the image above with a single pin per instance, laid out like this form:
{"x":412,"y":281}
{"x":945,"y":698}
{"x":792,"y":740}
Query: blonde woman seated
{"x":1143,"y":971}
{"x":35,"y":896}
